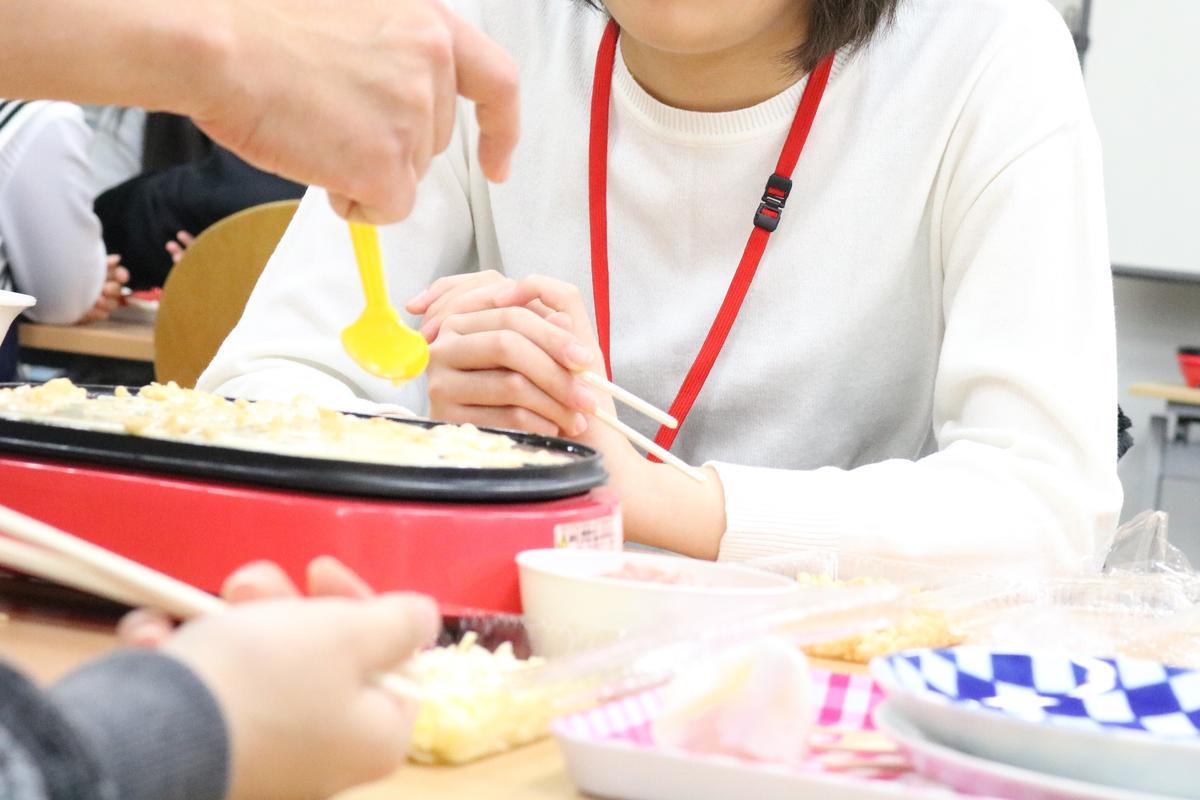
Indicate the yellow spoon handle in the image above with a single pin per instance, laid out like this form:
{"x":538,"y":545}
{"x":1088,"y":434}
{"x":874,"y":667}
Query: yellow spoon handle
{"x":370,"y":265}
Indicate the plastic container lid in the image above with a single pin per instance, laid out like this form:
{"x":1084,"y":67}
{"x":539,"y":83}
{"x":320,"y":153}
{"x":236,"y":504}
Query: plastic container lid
{"x":490,"y":712}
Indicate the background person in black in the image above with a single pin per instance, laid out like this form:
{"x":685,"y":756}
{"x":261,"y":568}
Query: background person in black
{"x":189,"y":184}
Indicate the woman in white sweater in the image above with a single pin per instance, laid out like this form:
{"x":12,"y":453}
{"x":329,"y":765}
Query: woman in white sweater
{"x":924,"y":363}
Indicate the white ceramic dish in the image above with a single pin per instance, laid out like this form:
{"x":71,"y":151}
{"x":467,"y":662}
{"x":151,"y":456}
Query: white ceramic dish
{"x":12,"y":304}
{"x":136,"y":309}
{"x":969,"y":773}
{"x":563,"y":589}
{"x":1050,"y":713}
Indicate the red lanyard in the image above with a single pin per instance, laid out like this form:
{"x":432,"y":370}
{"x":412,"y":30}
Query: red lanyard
{"x":766,"y":219}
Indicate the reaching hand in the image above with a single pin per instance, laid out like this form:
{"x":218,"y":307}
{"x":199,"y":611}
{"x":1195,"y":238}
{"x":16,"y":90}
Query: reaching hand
{"x":179,"y":245}
{"x":116,"y":276}
{"x":259,"y":580}
{"x":293,"y":679}
{"x":358,"y":98}
{"x":292,"y":676}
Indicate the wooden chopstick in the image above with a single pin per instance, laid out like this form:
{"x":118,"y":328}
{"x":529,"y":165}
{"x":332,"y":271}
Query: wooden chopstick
{"x":649,"y":446}
{"x":152,"y":587}
{"x":35,"y":561}
{"x":49,"y":553}
{"x":598,"y":381}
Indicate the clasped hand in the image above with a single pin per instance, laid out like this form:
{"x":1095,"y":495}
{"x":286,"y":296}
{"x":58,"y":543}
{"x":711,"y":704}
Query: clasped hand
{"x":508,"y":354}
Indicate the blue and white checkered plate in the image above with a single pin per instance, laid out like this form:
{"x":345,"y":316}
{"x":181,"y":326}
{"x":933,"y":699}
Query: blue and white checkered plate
{"x":1115,"y":722}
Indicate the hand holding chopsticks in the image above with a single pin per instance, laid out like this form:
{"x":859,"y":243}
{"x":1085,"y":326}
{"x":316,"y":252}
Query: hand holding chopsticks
{"x":480,"y":306}
{"x":40,"y":550}
{"x":629,"y":398}
{"x":653,"y":412}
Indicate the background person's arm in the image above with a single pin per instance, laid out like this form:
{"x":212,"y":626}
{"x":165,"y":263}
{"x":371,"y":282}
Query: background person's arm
{"x":357,"y":102}
{"x":51,"y":237}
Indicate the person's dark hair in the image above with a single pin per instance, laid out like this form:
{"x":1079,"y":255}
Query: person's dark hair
{"x":835,"y":24}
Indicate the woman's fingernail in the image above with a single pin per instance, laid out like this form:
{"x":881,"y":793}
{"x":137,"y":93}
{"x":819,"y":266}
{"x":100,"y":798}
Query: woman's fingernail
{"x":583,"y":399}
{"x":579,"y":425}
{"x":419,"y":299}
{"x":578,"y":355}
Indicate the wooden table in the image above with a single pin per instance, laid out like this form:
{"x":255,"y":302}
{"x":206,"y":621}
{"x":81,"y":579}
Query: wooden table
{"x":132,"y":341}
{"x":48,"y":650}
{"x":1171,"y":392}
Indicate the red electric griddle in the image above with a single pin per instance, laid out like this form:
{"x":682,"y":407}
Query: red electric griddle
{"x":197,"y":512}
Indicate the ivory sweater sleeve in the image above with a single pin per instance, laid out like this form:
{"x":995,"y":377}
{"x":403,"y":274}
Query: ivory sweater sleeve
{"x":48,"y":234}
{"x":1024,"y":473}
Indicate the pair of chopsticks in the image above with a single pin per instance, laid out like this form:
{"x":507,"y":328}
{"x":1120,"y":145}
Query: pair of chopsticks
{"x":43,"y":551}
{"x":630,"y":399}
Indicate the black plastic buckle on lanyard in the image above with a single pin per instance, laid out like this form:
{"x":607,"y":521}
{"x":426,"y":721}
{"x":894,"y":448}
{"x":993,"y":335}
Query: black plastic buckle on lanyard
{"x":773,"y":200}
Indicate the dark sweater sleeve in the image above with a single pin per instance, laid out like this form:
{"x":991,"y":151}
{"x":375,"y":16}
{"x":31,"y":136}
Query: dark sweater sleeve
{"x":132,"y":726}
{"x":41,"y":756}
{"x":150,"y":725}
{"x":141,"y":215}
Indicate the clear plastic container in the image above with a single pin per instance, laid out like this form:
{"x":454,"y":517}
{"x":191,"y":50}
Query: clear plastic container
{"x":475,"y":704}
{"x":854,"y":568}
{"x":937,"y":608}
{"x":1145,"y":616}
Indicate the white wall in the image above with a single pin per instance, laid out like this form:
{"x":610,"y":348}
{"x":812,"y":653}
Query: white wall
{"x":1143,"y":75}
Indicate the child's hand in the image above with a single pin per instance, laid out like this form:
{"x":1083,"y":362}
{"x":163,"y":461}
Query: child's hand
{"x":115,"y":278}
{"x":178,"y":246}
{"x":462,"y":294}
{"x":512,"y":366}
{"x":509,"y":367}
{"x":293,"y":679}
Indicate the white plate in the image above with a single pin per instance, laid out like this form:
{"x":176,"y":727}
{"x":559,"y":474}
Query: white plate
{"x":976,"y":775}
{"x":1056,"y":714}
{"x":136,"y":309}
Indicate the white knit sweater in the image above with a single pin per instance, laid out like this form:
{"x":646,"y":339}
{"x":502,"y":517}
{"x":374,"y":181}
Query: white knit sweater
{"x":925,"y":365}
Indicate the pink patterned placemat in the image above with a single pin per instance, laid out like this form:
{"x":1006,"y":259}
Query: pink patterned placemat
{"x":847,"y":702}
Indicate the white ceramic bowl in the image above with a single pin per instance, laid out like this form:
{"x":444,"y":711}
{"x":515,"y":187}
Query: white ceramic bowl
{"x":571,"y":604}
{"x":11,"y":306}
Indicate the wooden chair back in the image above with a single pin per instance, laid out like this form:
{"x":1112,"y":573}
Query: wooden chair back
{"x":207,"y":290}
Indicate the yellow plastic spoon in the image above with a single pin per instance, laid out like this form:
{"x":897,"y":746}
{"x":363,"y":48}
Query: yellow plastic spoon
{"x":378,"y":340}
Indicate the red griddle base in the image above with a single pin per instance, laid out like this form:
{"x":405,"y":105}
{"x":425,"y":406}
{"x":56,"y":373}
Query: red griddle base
{"x":200,"y":531}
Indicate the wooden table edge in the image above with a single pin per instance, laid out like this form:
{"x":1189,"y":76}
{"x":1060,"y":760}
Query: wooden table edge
{"x":133,"y":341}
{"x":1175,"y":393}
